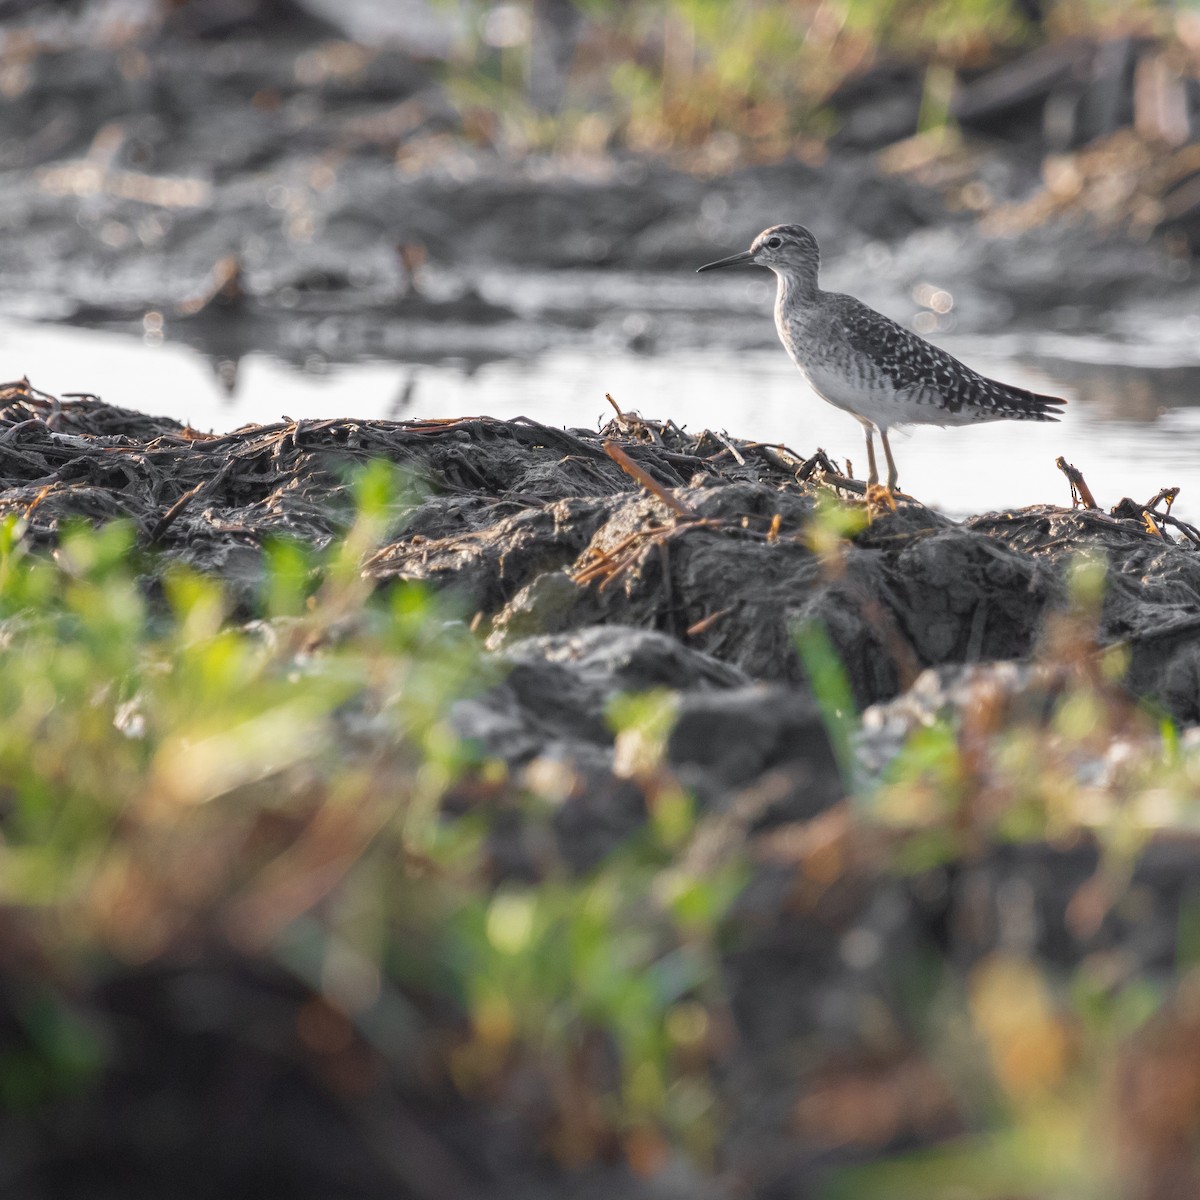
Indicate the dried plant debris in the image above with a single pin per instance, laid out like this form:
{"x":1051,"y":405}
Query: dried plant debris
{"x":721,"y":543}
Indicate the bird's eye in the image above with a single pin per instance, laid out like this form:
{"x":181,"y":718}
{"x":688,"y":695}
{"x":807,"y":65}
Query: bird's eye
{"x":774,"y":243}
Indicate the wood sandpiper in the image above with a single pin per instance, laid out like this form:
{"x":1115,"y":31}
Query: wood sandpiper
{"x":864,"y":363}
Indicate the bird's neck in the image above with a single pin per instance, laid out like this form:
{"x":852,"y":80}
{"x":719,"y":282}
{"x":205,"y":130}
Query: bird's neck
{"x":796,"y":289}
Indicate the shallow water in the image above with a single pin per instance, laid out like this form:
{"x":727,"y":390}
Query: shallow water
{"x":1131,"y":428}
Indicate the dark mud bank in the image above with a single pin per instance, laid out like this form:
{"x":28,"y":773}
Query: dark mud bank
{"x":698,"y":546}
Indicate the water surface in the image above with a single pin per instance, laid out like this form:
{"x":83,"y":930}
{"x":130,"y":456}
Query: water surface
{"x":1130,"y":427}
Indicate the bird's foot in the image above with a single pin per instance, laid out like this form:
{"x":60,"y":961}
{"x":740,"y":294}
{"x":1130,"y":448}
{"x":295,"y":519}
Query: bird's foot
{"x":879,"y":500}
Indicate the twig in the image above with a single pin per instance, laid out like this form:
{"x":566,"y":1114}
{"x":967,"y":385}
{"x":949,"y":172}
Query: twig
{"x":829,"y":474}
{"x":42,"y":494}
{"x":1167,"y":494}
{"x":606,"y":560}
{"x":608,"y":568}
{"x":207,"y":485}
{"x":1081,"y":494}
{"x":1189,"y":531}
{"x":809,"y":465}
{"x":706,"y":623}
{"x":729,"y":446}
{"x":646,"y":480}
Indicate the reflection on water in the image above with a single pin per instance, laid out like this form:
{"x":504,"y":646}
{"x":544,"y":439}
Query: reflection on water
{"x":1124,"y":393}
{"x":1131,"y":430}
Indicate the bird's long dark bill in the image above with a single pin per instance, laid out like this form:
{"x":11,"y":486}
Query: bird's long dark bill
{"x":734,"y":260}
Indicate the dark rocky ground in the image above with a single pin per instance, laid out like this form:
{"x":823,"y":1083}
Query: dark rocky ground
{"x":545,"y":532}
{"x":585,"y":584}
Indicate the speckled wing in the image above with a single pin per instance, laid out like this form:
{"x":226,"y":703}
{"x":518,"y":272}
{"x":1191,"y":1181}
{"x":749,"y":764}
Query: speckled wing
{"x":923,"y":374}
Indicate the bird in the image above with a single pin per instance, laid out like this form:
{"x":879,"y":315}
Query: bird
{"x":869,"y":365}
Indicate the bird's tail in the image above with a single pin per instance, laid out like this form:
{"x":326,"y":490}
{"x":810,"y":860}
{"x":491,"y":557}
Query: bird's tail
{"x":1017,"y":404}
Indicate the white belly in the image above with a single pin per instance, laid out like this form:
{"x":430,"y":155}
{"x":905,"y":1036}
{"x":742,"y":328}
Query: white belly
{"x":874,"y":400}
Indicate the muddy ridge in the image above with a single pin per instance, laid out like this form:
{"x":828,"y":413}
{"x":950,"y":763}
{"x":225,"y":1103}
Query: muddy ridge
{"x":537,"y":531}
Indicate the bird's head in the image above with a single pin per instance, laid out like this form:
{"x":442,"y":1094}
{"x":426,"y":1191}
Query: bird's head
{"x":786,"y":249}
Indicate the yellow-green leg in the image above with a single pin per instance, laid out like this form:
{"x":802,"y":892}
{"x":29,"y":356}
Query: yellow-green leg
{"x":893,"y":474}
{"x":872,"y":469}
{"x":879,"y":499}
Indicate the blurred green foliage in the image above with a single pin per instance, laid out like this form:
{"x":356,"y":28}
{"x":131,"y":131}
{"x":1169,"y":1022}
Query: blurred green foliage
{"x":673,"y":74}
{"x":173,"y":775}
{"x":1062,"y":756}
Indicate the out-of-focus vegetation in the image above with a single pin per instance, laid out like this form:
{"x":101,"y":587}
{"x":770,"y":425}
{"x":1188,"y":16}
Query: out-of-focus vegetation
{"x":751,"y":77}
{"x":1072,"y":1078}
{"x":176,"y":779}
